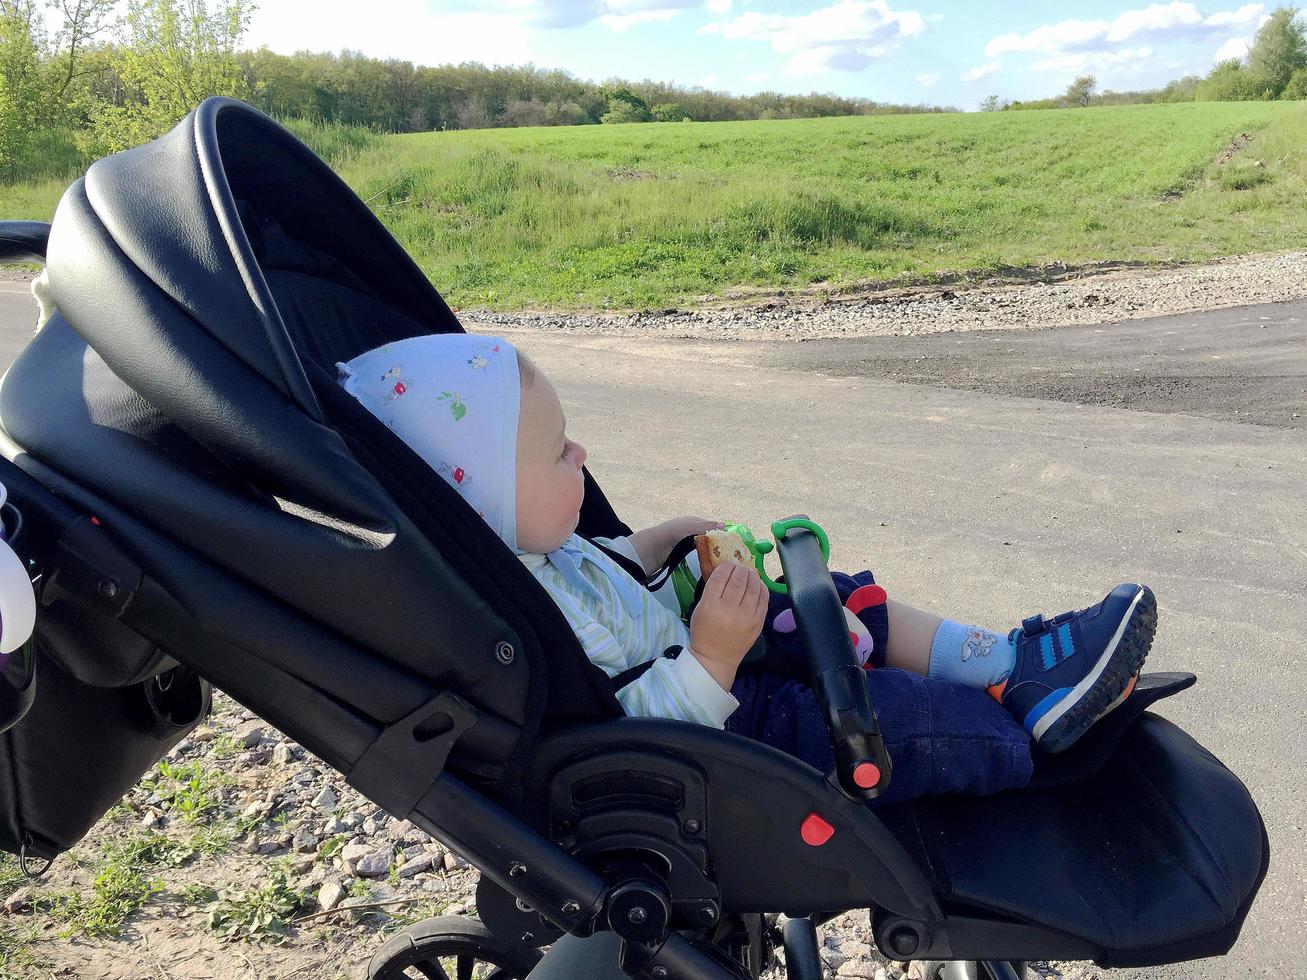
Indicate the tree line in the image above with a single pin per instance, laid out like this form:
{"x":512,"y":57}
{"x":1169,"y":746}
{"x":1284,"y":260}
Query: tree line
{"x":85,"y":83}
{"x":1275,"y":67}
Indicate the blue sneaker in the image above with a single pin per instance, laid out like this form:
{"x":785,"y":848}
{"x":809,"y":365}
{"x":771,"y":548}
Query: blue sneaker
{"x":1073,"y":669}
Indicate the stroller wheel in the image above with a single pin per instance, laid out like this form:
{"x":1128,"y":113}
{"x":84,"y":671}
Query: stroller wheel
{"x":450,"y":947}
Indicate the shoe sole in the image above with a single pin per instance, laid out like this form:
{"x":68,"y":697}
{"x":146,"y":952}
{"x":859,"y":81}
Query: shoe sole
{"x":1108,"y":684}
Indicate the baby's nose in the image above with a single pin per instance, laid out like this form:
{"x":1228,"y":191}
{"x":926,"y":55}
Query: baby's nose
{"x":580,"y":455}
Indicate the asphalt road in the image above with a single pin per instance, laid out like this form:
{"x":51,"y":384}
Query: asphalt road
{"x":1005,"y":480}
{"x":1241,"y":365}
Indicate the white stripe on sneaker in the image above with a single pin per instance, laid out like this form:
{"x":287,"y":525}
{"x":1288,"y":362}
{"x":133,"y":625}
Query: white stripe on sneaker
{"x":1090,"y":679}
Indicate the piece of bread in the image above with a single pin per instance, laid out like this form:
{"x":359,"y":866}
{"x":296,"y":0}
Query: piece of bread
{"x":717,"y":547}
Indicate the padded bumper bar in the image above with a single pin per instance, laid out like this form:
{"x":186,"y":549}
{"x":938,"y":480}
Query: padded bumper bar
{"x":862,"y":765}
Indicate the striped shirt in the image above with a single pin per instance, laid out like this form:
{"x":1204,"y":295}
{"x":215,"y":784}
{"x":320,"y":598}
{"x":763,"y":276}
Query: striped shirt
{"x":615,"y":640}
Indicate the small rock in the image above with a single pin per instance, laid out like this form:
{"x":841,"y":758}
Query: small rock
{"x":281,"y":754}
{"x":254,"y":809}
{"x":400,"y":830}
{"x":333,"y":826}
{"x":325,"y":800}
{"x":305,"y":840}
{"x":19,"y":901}
{"x":264,"y":847}
{"x":330,"y":895}
{"x":412,"y":866}
{"x":452,"y":863}
{"x":833,"y":958}
{"x":150,"y":821}
{"x":205,"y":734}
{"x":859,"y":966}
{"x":248,"y":733}
{"x":375,"y":864}
{"x":351,"y":854}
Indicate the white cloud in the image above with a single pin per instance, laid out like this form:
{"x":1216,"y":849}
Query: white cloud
{"x":1236,"y":47}
{"x":719,"y":6}
{"x":845,"y":36}
{"x":1247,"y":14}
{"x":1095,"y":61}
{"x":928,"y":79}
{"x":757,"y":76}
{"x":1157,"y":22}
{"x":980,"y":71}
{"x":1069,"y":35}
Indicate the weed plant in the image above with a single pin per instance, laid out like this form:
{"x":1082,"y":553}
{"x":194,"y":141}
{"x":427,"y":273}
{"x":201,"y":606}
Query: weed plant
{"x":259,"y":914}
{"x":187,"y":790}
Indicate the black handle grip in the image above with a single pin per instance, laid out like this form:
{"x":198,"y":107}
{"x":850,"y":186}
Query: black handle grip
{"x":862,"y":766}
{"x":23,"y":241}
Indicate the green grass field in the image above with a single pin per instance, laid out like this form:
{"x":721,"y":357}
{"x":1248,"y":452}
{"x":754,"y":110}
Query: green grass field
{"x":648,"y":215}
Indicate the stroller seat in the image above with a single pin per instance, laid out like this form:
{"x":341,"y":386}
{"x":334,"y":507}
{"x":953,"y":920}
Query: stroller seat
{"x":176,"y":431}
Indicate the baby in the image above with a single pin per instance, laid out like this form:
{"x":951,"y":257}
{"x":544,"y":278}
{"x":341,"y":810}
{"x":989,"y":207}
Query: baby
{"x":959,"y":705}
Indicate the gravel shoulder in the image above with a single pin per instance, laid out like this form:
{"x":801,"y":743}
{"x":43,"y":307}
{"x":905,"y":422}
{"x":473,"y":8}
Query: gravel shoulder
{"x":1054,"y":297}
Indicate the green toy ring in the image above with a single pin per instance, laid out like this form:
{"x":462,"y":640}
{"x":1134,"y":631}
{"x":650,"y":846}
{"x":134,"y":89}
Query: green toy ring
{"x":760,"y":549}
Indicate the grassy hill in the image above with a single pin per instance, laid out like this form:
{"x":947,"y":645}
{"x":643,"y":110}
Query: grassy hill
{"x":646,"y":215}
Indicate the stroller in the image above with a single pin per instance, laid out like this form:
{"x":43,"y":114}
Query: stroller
{"x":198,"y":502}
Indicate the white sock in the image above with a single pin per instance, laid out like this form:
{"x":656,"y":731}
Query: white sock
{"x":970,"y":655}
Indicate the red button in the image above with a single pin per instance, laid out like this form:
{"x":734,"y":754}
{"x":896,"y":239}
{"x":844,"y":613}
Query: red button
{"x":815,"y":831}
{"x":866,"y":774}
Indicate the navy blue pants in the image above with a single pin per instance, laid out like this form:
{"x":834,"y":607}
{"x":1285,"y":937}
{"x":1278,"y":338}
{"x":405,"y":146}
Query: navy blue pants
{"x":941,"y":737}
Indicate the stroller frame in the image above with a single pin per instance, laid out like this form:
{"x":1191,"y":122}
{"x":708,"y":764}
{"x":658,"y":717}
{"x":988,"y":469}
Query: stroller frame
{"x":240,"y":485}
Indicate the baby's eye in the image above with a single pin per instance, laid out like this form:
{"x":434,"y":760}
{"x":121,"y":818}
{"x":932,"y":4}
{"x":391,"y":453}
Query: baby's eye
{"x":567,"y":450}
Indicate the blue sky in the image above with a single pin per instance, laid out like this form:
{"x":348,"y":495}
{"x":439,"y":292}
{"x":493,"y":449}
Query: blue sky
{"x":945,"y":52}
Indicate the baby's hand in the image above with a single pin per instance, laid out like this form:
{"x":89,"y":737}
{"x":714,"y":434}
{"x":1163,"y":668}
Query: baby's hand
{"x":727,"y":620}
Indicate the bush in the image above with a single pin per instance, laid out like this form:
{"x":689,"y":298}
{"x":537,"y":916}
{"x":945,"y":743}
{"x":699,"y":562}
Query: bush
{"x":1297,"y":87}
{"x":23,"y":102}
{"x":621,"y":111}
{"x":565,"y":114}
{"x":669,"y":112}
{"x":1228,"y":82}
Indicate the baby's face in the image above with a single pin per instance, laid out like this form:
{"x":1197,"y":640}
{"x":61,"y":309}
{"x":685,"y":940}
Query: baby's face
{"x":550,"y":483}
